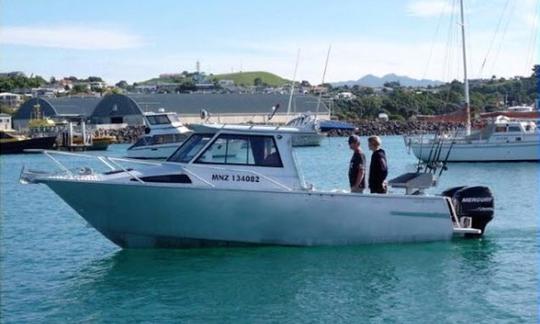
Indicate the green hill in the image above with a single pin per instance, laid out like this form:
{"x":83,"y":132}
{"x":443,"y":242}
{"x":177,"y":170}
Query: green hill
{"x":248,"y":78}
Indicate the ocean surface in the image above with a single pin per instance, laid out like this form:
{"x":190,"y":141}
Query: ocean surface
{"x":54,"y":268}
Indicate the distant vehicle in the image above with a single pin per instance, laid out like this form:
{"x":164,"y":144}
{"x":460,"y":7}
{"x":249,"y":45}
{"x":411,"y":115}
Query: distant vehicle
{"x":164,"y":135}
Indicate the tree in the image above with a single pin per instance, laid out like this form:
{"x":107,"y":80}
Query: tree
{"x":94,"y":79}
{"x":79,"y":88}
{"x":258,"y":82}
{"x":122,"y":84}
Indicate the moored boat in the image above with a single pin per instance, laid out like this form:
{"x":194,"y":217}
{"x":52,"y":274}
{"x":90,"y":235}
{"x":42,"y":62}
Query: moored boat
{"x":255,"y":196}
{"x":164,"y":133}
{"x":11,"y":143}
{"x":503,"y":140}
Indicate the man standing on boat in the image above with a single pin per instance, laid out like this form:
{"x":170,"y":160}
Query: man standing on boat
{"x":378,"y":168}
{"x":357,"y":166}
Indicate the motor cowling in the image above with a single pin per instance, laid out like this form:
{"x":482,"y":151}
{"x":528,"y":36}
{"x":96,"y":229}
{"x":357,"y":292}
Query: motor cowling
{"x":475,"y":202}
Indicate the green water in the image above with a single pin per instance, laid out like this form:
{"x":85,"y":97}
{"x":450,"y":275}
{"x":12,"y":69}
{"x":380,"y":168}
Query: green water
{"x":54,"y":268}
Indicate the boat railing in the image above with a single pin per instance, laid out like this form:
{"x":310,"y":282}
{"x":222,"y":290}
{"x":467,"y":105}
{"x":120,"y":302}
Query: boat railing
{"x":274,"y":181}
{"x":113,"y":163}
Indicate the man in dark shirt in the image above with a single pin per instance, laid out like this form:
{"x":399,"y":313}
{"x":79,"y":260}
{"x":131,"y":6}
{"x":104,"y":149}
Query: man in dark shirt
{"x":357,"y":167}
{"x":378,"y":169}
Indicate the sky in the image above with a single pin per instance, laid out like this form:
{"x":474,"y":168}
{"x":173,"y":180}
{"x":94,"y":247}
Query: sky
{"x":138,"y":40}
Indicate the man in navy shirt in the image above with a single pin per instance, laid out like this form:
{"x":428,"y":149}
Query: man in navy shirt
{"x":378,"y":168}
{"x":357,"y":179}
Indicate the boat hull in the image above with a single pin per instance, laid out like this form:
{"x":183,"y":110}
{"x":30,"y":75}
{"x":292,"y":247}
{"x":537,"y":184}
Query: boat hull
{"x":150,"y":215}
{"x":15,"y":147}
{"x":495,"y":152}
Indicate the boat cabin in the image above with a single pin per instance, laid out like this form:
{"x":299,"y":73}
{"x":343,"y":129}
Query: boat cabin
{"x":234,"y":156}
{"x":162,"y":128}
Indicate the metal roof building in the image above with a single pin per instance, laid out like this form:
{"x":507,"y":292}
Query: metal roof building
{"x":129,"y":109}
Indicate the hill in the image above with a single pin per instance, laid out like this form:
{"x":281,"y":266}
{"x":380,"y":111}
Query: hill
{"x":248,"y":78}
{"x":373,"y":81}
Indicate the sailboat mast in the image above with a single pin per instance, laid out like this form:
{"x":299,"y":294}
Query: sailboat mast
{"x":465,"y":78}
{"x":323,"y":76}
{"x":292,"y":83}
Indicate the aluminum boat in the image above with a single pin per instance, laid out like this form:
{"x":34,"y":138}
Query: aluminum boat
{"x":253,"y":196}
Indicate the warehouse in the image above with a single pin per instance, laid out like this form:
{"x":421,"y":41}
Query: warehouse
{"x":129,"y":109}
{"x":55,"y":108}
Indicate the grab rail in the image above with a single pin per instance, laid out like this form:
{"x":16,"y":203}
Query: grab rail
{"x":111,"y":162}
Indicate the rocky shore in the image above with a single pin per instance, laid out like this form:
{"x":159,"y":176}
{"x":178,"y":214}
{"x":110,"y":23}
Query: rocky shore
{"x":375,"y":127}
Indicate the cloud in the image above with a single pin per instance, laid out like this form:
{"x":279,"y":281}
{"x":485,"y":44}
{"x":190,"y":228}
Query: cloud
{"x":69,"y":37}
{"x":429,"y":8}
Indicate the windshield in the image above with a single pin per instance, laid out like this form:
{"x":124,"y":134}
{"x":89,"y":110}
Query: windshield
{"x":158,"y":119}
{"x":191,"y":147}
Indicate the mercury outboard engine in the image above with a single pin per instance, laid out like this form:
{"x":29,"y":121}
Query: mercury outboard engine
{"x":474,"y":202}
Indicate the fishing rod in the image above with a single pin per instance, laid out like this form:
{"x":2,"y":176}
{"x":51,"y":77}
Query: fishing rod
{"x":428,"y":161}
{"x":433,"y":151}
{"x":438,"y":155}
{"x":419,"y":164}
{"x":448,"y":153}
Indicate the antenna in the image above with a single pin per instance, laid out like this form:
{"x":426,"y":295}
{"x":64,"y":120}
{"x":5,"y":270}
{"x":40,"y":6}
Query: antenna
{"x":323,"y":76}
{"x":292,"y":83}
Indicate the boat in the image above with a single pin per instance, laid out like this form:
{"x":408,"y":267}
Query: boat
{"x":308,"y":123}
{"x":164,"y":133}
{"x":309,"y":126}
{"x":12,"y":143}
{"x":502,"y":140}
{"x":254,"y":197}
{"x":101,"y":142}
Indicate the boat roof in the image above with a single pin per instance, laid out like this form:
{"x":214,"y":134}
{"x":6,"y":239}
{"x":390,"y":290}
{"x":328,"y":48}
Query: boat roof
{"x":214,"y":128}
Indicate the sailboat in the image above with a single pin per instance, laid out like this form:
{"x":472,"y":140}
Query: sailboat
{"x":501,"y":140}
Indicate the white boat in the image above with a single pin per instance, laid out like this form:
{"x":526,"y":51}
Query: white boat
{"x":308,"y":125}
{"x":253,"y":197}
{"x":502,"y":140}
{"x":165,"y":133}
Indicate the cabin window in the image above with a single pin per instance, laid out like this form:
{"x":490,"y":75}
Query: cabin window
{"x":190,"y":148}
{"x":158,"y":119}
{"x":514,"y":129}
{"x":500,"y":129}
{"x":242,"y":150}
{"x":143,"y":141}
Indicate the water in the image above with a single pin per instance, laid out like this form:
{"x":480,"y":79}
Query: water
{"x":54,"y":268}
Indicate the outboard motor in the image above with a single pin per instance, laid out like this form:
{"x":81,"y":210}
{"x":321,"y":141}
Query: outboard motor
{"x":474,"y":202}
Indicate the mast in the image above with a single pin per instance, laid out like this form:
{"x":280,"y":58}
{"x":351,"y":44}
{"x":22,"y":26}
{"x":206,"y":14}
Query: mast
{"x":465,"y":79}
{"x":323,"y":76}
{"x":292,"y":83}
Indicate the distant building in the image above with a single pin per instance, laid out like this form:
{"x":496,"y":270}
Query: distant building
{"x":226,"y":83}
{"x":10,"y":99}
{"x":62,"y":108}
{"x":5,"y":122}
{"x":345,"y":95}
{"x":129,"y":109}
